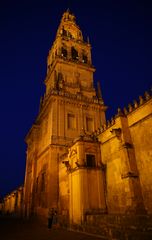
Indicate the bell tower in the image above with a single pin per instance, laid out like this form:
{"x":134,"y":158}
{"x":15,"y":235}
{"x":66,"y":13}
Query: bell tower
{"x":69,"y":107}
{"x":69,"y":65}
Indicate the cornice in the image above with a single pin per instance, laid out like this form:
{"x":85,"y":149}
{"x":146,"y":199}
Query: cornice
{"x":75,"y":99}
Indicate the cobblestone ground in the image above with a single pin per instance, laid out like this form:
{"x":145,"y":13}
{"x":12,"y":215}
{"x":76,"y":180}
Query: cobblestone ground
{"x":15,"y":229}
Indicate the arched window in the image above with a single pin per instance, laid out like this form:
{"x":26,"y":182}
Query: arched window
{"x":84,"y":58}
{"x":74,"y":53}
{"x":64,"y":52}
{"x":69,"y":34}
{"x":64,"y":32}
{"x":90,"y":160}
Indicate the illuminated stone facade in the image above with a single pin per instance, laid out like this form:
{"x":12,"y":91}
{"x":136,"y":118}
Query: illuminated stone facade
{"x":69,"y":106}
{"x":13,"y":203}
{"x":96,"y":173}
{"x":126,"y":151}
{"x":70,"y":166}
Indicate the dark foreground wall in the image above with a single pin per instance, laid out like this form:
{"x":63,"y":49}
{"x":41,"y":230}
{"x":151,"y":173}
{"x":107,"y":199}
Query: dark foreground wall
{"x":117,"y":227}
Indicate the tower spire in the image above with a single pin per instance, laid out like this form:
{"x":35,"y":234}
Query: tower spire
{"x":99,"y":94}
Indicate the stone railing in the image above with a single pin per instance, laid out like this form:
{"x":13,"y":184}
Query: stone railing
{"x":80,"y":97}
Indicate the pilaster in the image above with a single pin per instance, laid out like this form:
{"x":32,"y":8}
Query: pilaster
{"x":129,"y":171}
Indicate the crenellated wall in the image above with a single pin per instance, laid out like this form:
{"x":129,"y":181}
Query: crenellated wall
{"x":140,"y":125}
{"x":126,"y":149}
{"x":13,"y":202}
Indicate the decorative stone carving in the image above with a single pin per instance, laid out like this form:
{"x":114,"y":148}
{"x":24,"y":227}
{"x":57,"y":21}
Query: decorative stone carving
{"x":116,"y":132}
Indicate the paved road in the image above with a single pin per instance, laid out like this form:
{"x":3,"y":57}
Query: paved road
{"x":15,"y":229}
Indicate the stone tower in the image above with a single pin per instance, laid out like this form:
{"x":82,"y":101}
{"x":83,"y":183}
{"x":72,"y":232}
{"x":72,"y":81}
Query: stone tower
{"x":69,"y":107}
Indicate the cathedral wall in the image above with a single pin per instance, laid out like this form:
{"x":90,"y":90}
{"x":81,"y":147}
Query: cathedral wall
{"x":128,"y":156}
{"x":140,"y":122}
{"x":75,"y":116}
{"x":41,"y":181}
{"x":63,"y":190}
{"x":110,"y":154}
{"x":10,"y":203}
{"x":86,"y":180}
{"x":13,"y":203}
{"x":86,"y":193}
{"x":44,"y":132}
{"x":47,"y":195}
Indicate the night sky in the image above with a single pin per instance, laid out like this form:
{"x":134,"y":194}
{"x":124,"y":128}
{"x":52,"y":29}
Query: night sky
{"x":120,"y":33}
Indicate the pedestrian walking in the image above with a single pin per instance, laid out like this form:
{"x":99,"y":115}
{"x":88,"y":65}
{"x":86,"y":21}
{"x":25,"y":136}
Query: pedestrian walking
{"x":55,"y":220}
{"x":50,"y":217}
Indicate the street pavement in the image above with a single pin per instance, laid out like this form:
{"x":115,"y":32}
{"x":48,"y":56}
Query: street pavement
{"x":17,"y":229}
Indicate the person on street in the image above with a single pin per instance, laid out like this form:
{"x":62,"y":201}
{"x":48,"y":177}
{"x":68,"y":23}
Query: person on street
{"x":50,"y":217}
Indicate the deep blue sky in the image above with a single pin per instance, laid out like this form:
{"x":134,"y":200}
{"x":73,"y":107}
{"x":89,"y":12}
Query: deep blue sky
{"x":121,"y":36}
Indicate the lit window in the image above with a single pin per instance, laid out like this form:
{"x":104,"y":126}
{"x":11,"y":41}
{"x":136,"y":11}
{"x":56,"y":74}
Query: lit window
{"x":64,"y":32}
{"x":84,"y":58}
{"x":64,"y":52}
{"x":74,"y":53}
